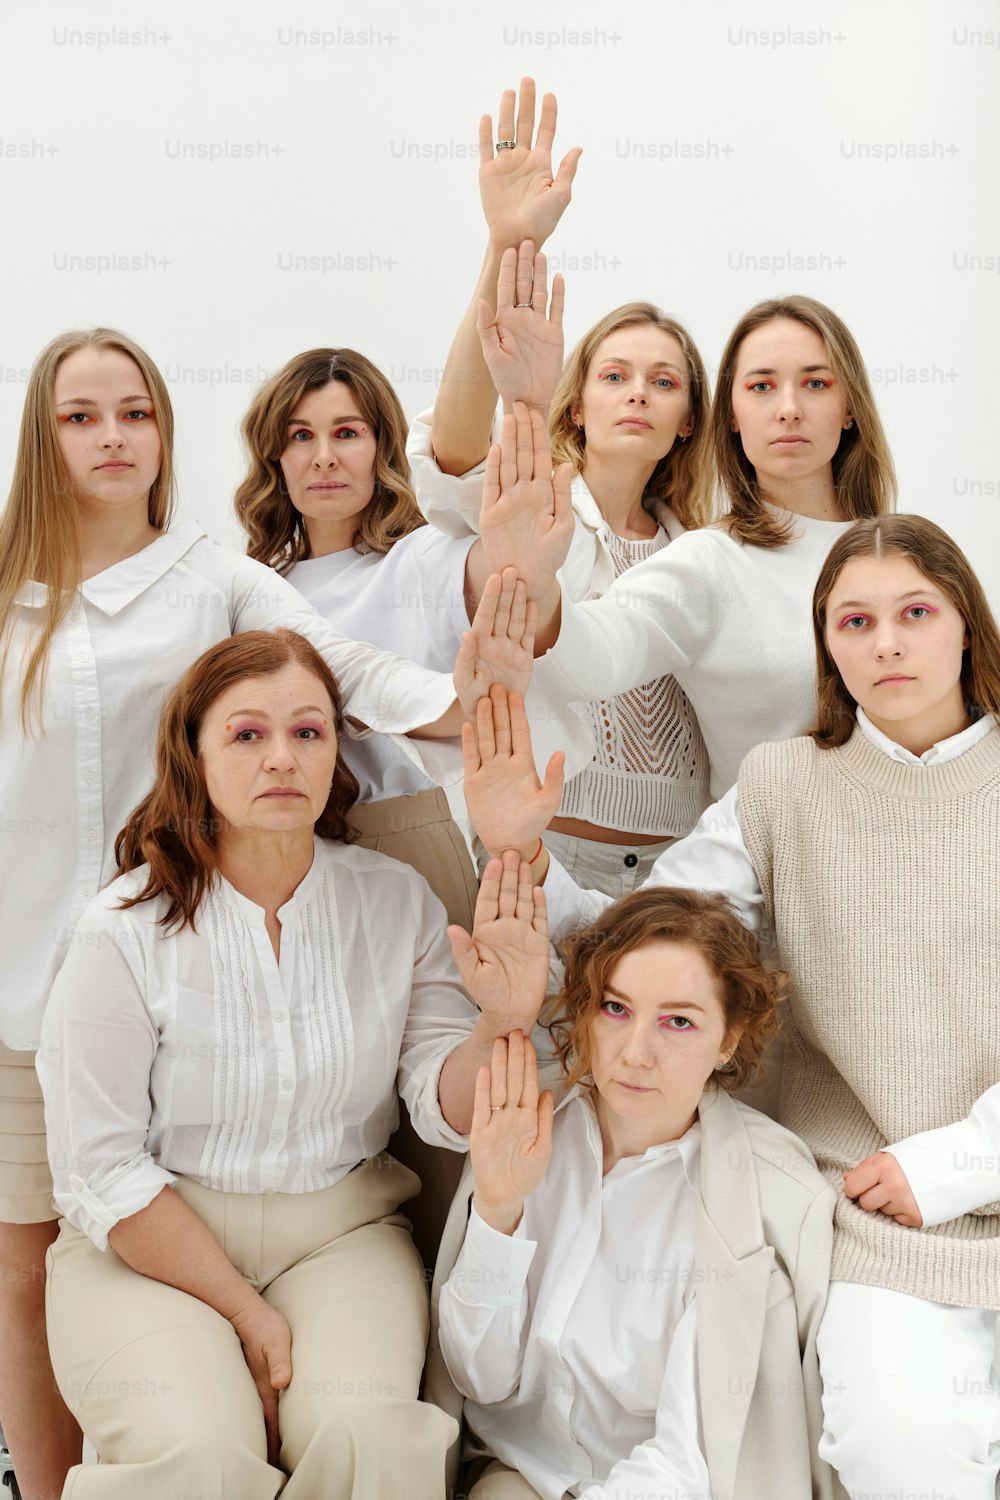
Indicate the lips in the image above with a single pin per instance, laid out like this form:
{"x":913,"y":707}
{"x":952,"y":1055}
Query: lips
{"x":330,"y":485}
{"x":894,"y":679}
{"x":115,"y":464}
{"x":634,"y":1088}
{"x":638,"y":423}
{"x":280,"y":792}
{"x":789,"y":442}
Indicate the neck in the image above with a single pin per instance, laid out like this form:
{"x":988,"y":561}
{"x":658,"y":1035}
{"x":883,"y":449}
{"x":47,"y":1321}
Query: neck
{"x":814,"y":497}
{"x":266,"y":868}
{"x":109,"y":535}
{"x":618,"y":487}
{"x":925,"y":730}
{"x":326,"y":537}
{"x":621,"y":1138}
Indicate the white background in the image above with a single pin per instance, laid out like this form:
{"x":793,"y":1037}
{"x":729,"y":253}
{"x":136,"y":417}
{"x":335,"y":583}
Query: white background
{"x":720,"y":140}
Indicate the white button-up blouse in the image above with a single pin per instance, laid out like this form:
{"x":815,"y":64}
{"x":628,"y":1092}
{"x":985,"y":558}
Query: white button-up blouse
{"x":574,"y":1339}
{"x":198,"y":1053}
{"x":65,"y":793}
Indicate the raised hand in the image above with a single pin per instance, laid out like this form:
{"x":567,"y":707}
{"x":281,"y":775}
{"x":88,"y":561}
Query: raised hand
{"x":521,"y":198}
{"x":526,"y":521}
{"x":499,"y":646}
{"x":879,"y":1183}
{"x":522,"y":347}
{"x":508,"y":805}
{"x":505,"y":963}
{"x":511,"y":1138}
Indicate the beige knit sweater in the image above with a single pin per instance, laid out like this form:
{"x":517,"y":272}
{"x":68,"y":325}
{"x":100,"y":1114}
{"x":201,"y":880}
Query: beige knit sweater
{"x":882,"y":883}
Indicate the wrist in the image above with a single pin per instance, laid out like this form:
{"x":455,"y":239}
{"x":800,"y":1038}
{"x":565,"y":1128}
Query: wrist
{"x":503,"y":1217}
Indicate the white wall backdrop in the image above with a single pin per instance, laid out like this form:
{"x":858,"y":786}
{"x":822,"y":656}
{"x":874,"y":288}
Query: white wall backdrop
{"x":231,"y":184}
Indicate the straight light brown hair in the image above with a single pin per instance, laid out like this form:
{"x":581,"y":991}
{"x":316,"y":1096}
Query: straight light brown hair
{"x":748,"y":992}
{"x":681,"y":479}
{"x":174,"y":828}
{"x":942,"y":563}
{"x":863,"y":471}
{"x":40,"y":526}
{"x":276,"y":532}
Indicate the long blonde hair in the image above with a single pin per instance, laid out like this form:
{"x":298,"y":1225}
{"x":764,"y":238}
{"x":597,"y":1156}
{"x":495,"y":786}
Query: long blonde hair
{"x":863,"y":471}
{"x":276,"y":533}
{"x":681,"y":478}
{"x":40,"y":527}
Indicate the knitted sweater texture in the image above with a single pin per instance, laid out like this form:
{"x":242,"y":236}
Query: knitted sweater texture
{"x":880,"y":881}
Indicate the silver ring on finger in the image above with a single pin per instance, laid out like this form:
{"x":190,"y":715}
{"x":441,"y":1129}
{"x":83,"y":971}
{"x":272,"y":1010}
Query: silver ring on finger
{"x":494,"y":1107}
{"x":506,"y":145}
{"x":525,"y":304}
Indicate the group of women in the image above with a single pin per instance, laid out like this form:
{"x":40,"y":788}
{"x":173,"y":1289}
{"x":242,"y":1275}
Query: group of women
{"x":230,"y":871}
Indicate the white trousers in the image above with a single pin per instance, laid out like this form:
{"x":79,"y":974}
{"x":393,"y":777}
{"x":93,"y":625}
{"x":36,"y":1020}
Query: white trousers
{"x":911,"y":1396}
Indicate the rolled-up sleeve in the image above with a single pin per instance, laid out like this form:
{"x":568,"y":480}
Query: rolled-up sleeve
{"x":451,"y":502}
{"x":484,"y":1311}
{"x":97,"y":1048}
{"x":440,"y":1018}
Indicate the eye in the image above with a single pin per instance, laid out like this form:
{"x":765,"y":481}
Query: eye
{"x":613,"y":1008}
{"x":760,"y":386}
{"x":677,"y":1023}
{"x":816,"y":383}
{"x":350,"y":432}
{"x":246,"y":736}
{"x":308,"y":732}
{"x":667,"y":382}
{"x":612,"y":375}
{"x":300,"y":432}
{"x":139,"y":414}
{"x":918,"y":612}
{"x":853,"y":622}
{"x":75,"y":418}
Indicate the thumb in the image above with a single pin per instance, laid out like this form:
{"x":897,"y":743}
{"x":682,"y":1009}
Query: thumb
{"x":486,"y":327}
{"x":279,"y":1363}
{"x":464,"y":953}
{"x":553,"y":784}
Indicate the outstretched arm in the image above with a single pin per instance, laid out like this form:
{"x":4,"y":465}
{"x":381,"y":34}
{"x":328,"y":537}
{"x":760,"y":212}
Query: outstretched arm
{"x":521,"y":201}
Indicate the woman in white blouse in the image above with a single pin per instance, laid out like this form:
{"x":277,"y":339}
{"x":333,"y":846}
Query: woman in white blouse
{"x":629,"y":414}
{"x":868,"y":850}
{"x":635,"y":1304}
{"x":219,"y":1060}
{"x":103,"y":603}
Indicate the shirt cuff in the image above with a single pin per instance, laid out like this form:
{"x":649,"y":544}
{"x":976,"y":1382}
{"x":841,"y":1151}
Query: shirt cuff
{"x":951,"y":1171}
{"x":131,"y":1189}
{"x":419,"y":1089}
{"x":492,"y":1268}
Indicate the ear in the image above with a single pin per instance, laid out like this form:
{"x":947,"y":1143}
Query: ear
{"x":686,"y":428}
{"x":734,"y":426}
{"x":574,"y":415}
{"x":729,"y":1046}
{"x":848,"y":422}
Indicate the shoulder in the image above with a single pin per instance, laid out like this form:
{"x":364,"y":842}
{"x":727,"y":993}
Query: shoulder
{"x":796,"y":756}
{"x":385,"y":884}
{"x":781,"y":1159}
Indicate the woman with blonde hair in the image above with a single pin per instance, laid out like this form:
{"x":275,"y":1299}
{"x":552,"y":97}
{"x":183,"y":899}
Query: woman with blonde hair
{"x":801,"y":454}
{"x":867,"y":849}
{"x":232,"y":1242}
{"x":104,"y":600}
{"x":628,"y":419}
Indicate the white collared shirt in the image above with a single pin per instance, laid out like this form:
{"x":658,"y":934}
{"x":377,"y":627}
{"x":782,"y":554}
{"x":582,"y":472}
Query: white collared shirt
{"x":574,"y":1339}
{"x":410,"y":600}
{"x":951,"y":1171}
{"x":66,"y":793}
{"x":202,"y":1055}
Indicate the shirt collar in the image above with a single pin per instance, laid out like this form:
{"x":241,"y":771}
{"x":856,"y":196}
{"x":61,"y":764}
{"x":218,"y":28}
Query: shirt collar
{"x":117,"y":586}
{"x":944,"y":750}
{"x":687,"y":1147}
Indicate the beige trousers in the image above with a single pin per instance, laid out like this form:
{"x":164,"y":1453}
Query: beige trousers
{"x":497,"y":1482}
{"x":158,"y":1380}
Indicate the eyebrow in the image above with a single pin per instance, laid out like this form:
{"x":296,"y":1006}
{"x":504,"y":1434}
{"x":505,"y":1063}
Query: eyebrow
{"x":659,"y":364}
{"x":609,"y":989}
{"x":803,"y":370}
{"x":260,"y":713}
{"x":86,"y":401}
{"x":913,"y":594}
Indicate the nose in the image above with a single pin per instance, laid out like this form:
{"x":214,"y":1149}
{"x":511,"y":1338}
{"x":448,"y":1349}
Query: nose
{"x":280,"y":755}
{"x":639,"y":1049}
{"x":789,"y":405}
{"x":112,"y":435}
{"x":326,"y":456}
{"x":887,"y":640}
{"x":637,"y":390}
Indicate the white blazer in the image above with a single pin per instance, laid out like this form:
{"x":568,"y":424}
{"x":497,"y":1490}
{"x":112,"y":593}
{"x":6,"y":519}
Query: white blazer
{"x":763,"y":1238}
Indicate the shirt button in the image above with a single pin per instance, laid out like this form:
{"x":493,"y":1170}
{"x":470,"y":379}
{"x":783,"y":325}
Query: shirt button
{"x":277,"y":1136}
{"x":281,"y":1015}
{"x":90,"y":715}
{"x":92,"y":835}
{"x":631,"y":860}
{"x":91,"y":777}
{"x":287,"y":1083}
{"x":84,"y":656}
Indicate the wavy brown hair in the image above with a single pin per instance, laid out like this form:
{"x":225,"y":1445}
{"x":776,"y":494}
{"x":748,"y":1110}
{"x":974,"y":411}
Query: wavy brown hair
{"x":944,"y":564}
{"x":276,"y":532}
{"x":863,"y":471}
{"x":681,"y":479}
{"x":748,"y":992}
{"x":40,"y":526}
{"x":174,"y":828}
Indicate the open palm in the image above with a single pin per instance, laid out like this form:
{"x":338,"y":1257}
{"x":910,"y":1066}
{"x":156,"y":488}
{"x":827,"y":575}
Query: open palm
{"x":511,"y":1138}
{"x":521,"y":198}
{"x":504,"y":964}
{"x":508,"y":806}
{"x":526,"y":520}
{"x":522,"y":343}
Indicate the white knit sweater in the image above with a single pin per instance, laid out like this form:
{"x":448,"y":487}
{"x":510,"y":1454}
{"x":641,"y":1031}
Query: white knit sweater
{"x":732,"y":624}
